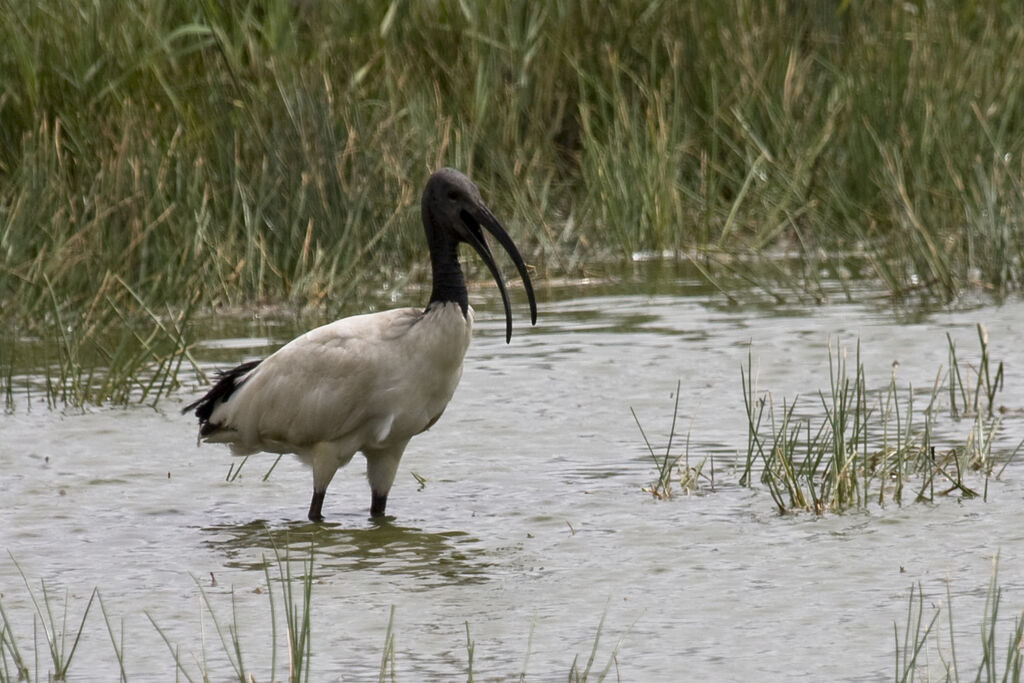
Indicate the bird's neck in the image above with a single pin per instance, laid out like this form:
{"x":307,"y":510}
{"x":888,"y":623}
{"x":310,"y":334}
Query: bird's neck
{"x":449,"y":283}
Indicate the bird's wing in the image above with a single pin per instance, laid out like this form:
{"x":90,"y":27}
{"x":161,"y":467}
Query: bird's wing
{"x":320,"y":386}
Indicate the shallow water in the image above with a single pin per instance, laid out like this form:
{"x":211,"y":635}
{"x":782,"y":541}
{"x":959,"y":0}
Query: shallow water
{"x":531,"y":524}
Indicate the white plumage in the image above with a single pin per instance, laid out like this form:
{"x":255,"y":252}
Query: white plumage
{"x":367,"y":383}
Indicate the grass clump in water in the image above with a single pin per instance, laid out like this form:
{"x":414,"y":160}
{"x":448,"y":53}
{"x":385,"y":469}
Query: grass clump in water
{"x":981,"y":400}
{"x":668,"y":466}
{"x":869,"y":446}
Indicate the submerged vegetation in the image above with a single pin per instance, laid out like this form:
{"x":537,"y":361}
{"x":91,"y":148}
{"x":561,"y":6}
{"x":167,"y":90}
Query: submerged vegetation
{"x":164,"y":157}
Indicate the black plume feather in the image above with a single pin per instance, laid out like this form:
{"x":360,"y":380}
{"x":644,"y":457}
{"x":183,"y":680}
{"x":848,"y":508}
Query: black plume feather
{"x":227,"y":382}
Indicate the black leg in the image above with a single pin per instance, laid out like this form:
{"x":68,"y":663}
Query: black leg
{"x":378,"y":503}
{"x":316,"y":506}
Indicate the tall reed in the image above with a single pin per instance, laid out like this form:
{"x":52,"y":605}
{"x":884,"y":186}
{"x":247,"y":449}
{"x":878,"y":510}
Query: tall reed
{"x":223,"y":154}
{"x":275,"y":150}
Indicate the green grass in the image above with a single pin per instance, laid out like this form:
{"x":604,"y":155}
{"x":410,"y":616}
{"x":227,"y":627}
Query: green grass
{"x":918,"y":643}
{"x":294,"y":598}
{"x":296,"y":615}
{"x":162,"y":157}
{"x":667,"y":466}
{"x":55,"y":630}
{"x":116,"y":640}
{"x":111,"y":352}
{"x":853,"y":447}
{"x":999,"y":660}
{"x":273,"y":150}
{"x":873,"y":446}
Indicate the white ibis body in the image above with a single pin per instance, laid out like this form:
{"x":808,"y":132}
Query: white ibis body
{"x":368,"y":383}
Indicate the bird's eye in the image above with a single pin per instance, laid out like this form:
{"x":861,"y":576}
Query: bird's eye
{"x":453,"y":195}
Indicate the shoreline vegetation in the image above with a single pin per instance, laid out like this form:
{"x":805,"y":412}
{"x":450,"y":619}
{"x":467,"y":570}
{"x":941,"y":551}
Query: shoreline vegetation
{"x":219,"y":154}
{"x":159,"y":159}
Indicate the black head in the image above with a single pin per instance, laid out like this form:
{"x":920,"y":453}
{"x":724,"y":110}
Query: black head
{"x":454,"y":212}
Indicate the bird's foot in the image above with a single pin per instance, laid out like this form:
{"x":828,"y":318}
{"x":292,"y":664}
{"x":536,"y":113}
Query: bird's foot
{"x":316,"y":506}
{"x":378,"y":504}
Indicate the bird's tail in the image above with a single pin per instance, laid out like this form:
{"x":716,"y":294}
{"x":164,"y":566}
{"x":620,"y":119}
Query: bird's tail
{"x":227,"y":382}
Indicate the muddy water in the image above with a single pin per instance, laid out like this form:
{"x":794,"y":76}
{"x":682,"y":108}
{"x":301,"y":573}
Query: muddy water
{"x":530,"y":524}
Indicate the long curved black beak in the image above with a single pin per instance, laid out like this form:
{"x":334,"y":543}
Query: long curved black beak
{"x":484,"y":218}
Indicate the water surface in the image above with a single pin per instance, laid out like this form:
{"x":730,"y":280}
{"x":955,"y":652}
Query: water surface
{"x":531,"y":523}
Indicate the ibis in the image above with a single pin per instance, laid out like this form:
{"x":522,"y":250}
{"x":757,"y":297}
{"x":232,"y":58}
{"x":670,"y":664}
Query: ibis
{"x":367,"y":383}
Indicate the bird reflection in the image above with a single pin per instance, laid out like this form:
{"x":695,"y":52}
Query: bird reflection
{"x":379,"y":546}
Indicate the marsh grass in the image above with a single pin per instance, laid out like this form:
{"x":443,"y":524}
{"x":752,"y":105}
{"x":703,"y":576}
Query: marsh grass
{"x":998,"y":660}
{"x":210,"y":155}
{"x":870,"y":447}
{"x":117,"y":351}
{"x":55,"y":629}
{"x":667,"y":466}
{"x":297,"y":610}
{"x":999,"y":656}
{"x":235,"y":469}
{"x":296,"y":605}
{"x":470,"y":649}
{"x":289,"y":602}
{"x":231,"y":640}
{"x":116,"y":640}
{"x":582,"y":675}
{"x":664,"y":464}
{"x":963,"y":401}
{"x":12,"y":663}
{"x":915,"y":638}
{"x":387,"y":656}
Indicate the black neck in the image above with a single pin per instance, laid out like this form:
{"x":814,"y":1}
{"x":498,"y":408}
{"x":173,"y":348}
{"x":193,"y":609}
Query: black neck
{"x":449,"y":283}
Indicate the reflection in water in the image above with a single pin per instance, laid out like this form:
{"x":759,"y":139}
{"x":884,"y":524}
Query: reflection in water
{"x":385,"y":548}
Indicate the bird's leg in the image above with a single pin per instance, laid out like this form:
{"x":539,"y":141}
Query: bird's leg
{"x":325,"y":461}
{"x":378,"y":503}
{"x":316,"y":506}
{"x":381,"y":466}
